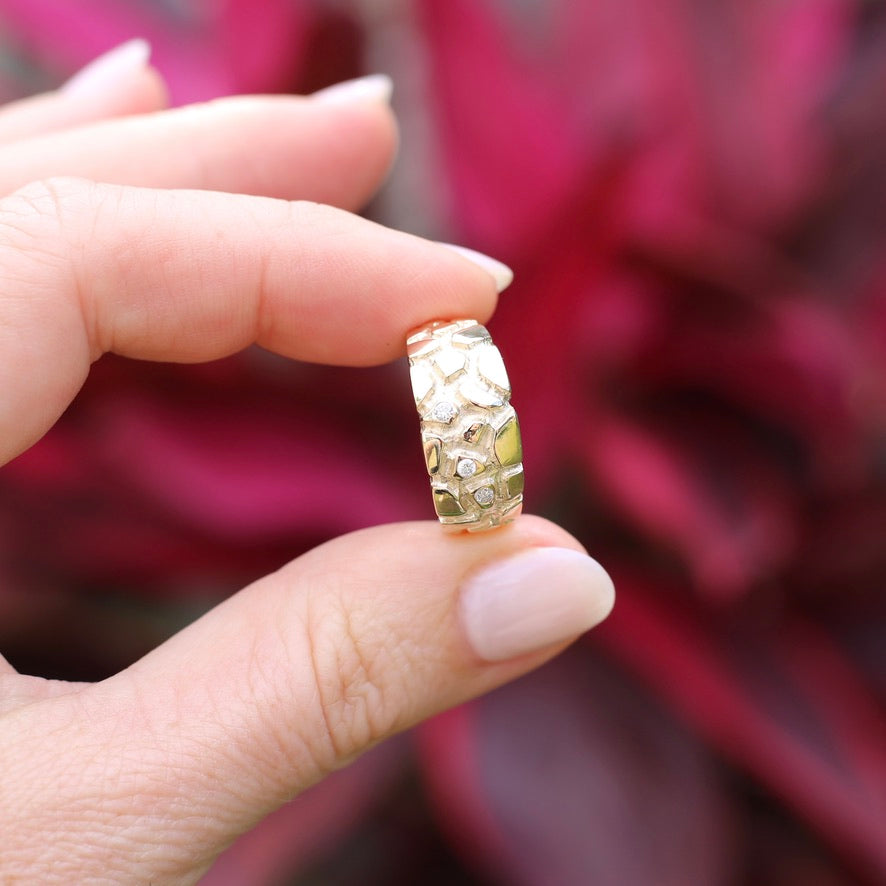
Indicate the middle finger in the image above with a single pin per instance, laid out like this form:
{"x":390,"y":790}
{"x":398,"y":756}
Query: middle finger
{"x":290,"y":147}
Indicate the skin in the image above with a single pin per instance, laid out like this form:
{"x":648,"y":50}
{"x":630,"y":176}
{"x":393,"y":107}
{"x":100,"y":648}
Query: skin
{"x":191,"y":248}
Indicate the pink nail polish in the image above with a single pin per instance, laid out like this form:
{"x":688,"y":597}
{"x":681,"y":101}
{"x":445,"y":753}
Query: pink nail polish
{"x":533,"y":600}
{"x":372,"y":88}
{"x":500,"y":272}
{"x":103,"y":73}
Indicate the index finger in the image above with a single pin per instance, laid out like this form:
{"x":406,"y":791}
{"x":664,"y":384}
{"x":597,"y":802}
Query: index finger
{"x":188,"y":276}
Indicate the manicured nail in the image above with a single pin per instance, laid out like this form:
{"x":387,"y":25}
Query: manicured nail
{"x":374,"y":88}
{"x":533,"y":600}
{"x":501,"y":273}
{"x":102,"y":74}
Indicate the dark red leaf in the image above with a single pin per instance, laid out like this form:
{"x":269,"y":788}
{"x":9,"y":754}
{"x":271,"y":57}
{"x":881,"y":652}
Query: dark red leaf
{"x":572,"y":776}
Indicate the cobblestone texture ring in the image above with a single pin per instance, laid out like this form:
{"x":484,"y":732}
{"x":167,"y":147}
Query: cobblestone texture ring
{"x":469,"y":430}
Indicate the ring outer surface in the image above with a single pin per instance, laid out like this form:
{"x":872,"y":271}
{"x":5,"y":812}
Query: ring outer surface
{"x":470,"y":432}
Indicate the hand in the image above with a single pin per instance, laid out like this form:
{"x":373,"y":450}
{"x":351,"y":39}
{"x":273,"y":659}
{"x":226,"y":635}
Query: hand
{"x":147,"y":776}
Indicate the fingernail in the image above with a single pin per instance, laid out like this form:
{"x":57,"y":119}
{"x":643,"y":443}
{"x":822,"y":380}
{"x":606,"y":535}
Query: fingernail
{"x":102,"y":73}
{"x":533,"y":600}
{"x":501,"y":273}
{"x":374,"y":88}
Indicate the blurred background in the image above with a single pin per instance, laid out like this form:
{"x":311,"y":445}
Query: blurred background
{"x":692,"y":194}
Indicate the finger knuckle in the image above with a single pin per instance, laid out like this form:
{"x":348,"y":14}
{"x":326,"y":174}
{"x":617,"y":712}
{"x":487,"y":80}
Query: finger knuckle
{"x":47,"y":198}
{"x":36,"y":222}
{"x":355,"y":676}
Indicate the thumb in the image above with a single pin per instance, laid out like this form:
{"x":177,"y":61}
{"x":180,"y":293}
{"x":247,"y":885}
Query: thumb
{"x":153,"y":772}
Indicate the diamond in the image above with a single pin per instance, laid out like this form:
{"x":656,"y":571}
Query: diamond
{"x":466,"y":467}
{"x":444,"y":411}
{"x":484,"y":496}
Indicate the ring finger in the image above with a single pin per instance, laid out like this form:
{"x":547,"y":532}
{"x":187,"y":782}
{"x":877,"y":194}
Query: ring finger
{"x":333,"y":148}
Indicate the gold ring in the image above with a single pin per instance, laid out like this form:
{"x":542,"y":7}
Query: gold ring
{"x":469,"y":430}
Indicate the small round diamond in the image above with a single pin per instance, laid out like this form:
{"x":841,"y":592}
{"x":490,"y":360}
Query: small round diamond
{"x":444,"y":411}
{"x":466,"y":467}
{"x":484,"y":496}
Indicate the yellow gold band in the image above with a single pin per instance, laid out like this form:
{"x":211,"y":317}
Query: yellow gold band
{"x":469,"y":430}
